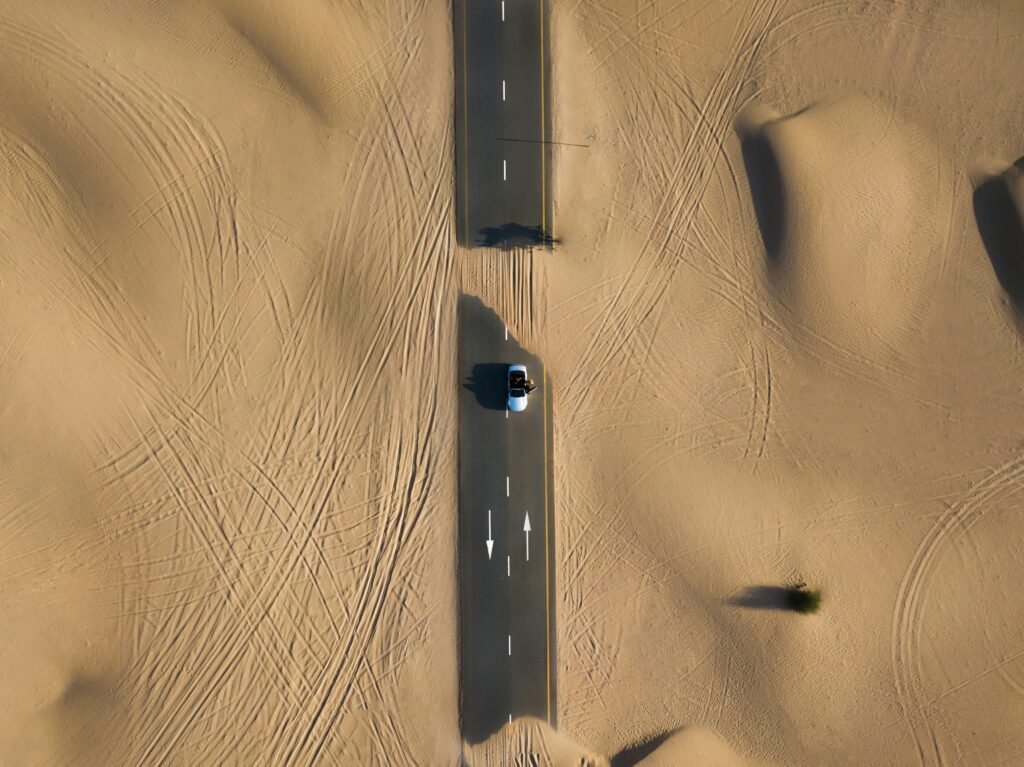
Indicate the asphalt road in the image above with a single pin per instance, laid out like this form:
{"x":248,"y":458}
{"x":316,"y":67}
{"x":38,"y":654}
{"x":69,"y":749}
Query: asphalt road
{"x":506,"y":600}
{"x":502,"y":122}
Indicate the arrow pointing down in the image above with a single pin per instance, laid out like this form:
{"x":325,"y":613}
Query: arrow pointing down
{"x":526,"y":529}
{"x":490,"y":538}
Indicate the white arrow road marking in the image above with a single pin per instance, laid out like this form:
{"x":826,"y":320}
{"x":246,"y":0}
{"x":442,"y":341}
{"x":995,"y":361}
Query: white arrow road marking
{"x":526,"y":529}
{"x":490,"y":538}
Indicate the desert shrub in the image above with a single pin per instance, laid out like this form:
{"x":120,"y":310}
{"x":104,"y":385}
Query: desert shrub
{"x":803,"y":600}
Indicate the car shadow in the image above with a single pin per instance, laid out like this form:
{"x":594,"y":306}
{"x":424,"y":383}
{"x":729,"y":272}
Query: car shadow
{"x":487,"y":382}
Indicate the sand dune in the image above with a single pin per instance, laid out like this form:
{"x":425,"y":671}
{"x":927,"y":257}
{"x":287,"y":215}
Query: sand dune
{"x":221,"y":452}
{"x":808,"y":377}
{"x":693,"y":746}
{"x":228,"y":281}
{"x":326,"y":57}
{"x":850,"y":201}
{"x":531,"y":742}
{"x":999,"y":212}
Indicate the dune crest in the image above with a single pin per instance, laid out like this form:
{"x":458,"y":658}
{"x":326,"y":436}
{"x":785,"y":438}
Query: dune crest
{"x":694,"y":746}
{"x":529,"y":741}
{"x":851,"y":203}
{"x":320,"y":55}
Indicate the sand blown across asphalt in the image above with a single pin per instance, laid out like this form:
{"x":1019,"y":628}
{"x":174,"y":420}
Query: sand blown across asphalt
{"x":783,"y":325}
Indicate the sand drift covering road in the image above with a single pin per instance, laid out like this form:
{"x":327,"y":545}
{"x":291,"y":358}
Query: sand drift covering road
{"x":229,"y":276}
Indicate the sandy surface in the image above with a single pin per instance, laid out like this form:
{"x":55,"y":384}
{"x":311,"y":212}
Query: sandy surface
{"x":226,"y":301}
{"x":774,"y":254}
{"x":791,"y":248}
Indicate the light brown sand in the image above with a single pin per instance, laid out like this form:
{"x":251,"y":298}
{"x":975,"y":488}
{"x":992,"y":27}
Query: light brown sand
{"x":227,"y":363}
{"x":529,"y":741}
{"x":227,"y":337}
{"x":838,"y":401}
{"x":696,"y":746}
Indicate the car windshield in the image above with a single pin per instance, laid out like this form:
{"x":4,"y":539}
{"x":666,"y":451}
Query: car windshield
{"x":517,"y":393}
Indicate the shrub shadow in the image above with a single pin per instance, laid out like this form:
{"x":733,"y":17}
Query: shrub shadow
{"x":764,"y":598}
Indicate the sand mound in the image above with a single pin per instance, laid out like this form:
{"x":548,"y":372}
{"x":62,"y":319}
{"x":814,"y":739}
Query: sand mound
{"x":999,"y":213}
{"x":320,"y":55}
{"x":205,"y":556}
{"x":846,"y":198}
{"x":55,"y":686}
{"x":696,"y":747}
{"x":531,"y":742}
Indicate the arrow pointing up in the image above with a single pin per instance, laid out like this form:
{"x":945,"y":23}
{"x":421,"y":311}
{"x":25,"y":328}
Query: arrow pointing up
{"x":490,"y":538}
{"x":526,"y":529}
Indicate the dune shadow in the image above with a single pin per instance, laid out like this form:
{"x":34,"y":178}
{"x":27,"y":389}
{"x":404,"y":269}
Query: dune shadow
{"x":764,"y":598}
{"x":633,"y":755}
{"x":766,"y":190}
{"x":81,"y":690}
{"x":1001,"y":227}
{"x":487,"y":382}
{"x":261,"y":40}
{"x":510,"y":236}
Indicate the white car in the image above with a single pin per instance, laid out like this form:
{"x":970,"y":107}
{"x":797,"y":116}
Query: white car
{"x":517,"y":392}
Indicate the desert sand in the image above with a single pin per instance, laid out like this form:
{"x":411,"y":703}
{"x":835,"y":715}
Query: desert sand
{"x":790,"y":243}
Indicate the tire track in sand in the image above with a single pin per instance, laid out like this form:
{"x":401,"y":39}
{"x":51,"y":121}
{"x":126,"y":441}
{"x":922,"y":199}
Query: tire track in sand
{"x":687,"y":182}
{"x":912,"y":597}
